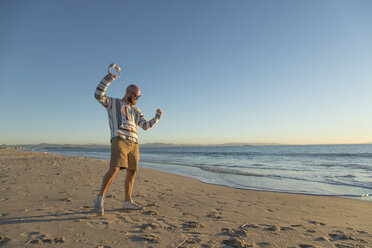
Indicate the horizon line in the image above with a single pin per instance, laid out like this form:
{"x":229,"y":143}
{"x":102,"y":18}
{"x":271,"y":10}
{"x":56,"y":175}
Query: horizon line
{"x":190,"y":144}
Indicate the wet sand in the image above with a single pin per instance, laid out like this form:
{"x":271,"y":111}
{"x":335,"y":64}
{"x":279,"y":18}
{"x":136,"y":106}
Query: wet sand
{"x":47,"y":200}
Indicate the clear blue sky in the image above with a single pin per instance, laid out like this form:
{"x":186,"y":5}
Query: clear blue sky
{"x":295,"y":72}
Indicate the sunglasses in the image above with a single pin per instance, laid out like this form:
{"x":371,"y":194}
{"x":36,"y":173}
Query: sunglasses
{"x":135,"y":96}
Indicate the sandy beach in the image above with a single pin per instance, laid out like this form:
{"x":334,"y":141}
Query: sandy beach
{"x":47,"y":200}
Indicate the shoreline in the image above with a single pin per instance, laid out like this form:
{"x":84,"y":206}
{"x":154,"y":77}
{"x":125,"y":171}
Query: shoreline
{"x":366,"y":197}
{"x":48,"y":198}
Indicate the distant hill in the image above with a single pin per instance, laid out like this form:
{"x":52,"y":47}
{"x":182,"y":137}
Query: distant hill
{"x":252,"y":144}
{"x":56,"y":146}
{"x":199,"y":145}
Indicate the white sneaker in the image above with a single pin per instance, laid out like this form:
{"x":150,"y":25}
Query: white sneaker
{"x":131,"y":205}
{"x":98,"y":205}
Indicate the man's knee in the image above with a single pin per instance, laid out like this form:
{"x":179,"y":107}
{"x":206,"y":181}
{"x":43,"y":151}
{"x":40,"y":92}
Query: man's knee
{"x":113,"y":170}
{"x":131,"y":172}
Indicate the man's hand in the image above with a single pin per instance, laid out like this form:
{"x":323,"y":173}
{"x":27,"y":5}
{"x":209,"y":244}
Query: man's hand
{"x":159,"y":112}
{"x":112,"y":75}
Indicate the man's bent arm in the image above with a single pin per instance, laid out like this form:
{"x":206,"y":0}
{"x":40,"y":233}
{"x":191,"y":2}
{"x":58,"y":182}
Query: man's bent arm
{"x":101,"y":89}
{"x":148,"y":124}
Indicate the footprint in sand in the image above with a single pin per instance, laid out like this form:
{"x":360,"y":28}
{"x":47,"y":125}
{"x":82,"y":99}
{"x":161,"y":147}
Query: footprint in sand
{"x":362,"y":232}
{"x":66,"y":199}
{"x":341,"y":236}
{"x":153,"y":204}
{"x":296,"y":225}
{"x":42,"y":238}
{"x":151,"y":238}
{"x":270,"y":228}
{"x":285,"y":228}
{"x":316,"y":223}
{"x":215,"y":215}
{"x":236,"y":242}
{"x":34,"y":241}
{"x":234,"y":232}
{"x":322,"y":239}
{"x":187,"y":242}
{"x":4,"y":240}
{"x":263,"y":244}
{"x":149,"y":226}
{"x":192,"y":224}
{"x":151,"y":212}
{"x":345,"y":245}
{"x":86,"y":207}
{"x":166,"y":224}
{"x":246,"y":225}
{"x":120,"y":218}
{"x":177,"y":206}
{"x":306,"y":246}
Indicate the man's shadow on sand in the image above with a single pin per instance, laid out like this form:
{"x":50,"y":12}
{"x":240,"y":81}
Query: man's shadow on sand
{"x":71,"y":216}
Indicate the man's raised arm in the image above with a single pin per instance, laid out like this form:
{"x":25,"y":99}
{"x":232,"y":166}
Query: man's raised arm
{"x":99,"y":94}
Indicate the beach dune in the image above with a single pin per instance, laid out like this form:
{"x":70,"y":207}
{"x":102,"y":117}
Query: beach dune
{"x":48,"y":199}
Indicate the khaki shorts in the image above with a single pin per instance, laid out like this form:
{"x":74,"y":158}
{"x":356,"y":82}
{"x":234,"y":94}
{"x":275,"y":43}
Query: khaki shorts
{"x":124,"y":154}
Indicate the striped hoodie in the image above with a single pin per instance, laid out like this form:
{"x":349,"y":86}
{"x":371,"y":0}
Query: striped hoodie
{"x":124,"y":118}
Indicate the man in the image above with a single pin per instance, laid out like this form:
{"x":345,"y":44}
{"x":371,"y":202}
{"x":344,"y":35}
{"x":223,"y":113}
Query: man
{"x":124,"y":118}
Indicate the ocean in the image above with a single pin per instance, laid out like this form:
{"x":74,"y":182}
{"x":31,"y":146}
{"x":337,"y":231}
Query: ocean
{"x":332,"y":170}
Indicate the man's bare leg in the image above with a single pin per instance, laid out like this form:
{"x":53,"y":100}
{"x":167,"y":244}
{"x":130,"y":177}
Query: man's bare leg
{"x":108,"y":179}
{"x":128,"y":184}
